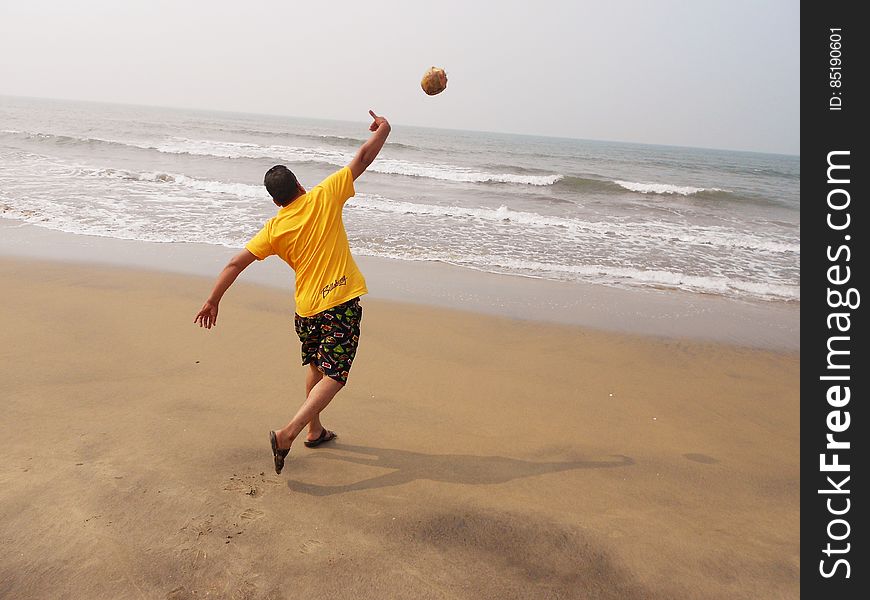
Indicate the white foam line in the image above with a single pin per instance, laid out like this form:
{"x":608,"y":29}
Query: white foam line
{"x":663,"y":188}
{"x":611,"y":275}
{"x":668,"y":232}
{"x":389,"y":166}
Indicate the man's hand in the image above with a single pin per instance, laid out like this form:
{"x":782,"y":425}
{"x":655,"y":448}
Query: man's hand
{"x":207,"y":316}
{"x":378,"y":121}
{"x":368,"y":151}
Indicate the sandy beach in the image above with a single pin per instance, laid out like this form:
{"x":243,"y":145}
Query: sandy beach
{"x":478,"y":457}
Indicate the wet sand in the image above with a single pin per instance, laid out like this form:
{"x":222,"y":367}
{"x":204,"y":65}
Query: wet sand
{"x":646,"y":311}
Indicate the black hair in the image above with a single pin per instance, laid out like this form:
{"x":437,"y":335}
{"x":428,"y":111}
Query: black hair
{"x":281,"y":184}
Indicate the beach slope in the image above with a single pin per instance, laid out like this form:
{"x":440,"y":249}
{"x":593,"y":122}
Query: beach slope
{"x":478,"y":457}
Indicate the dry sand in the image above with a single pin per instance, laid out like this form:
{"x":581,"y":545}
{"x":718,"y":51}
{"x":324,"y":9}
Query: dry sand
{"x":478,"y":457}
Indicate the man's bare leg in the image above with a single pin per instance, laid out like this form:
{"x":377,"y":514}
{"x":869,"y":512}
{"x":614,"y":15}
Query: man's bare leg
{"x":320,"y":396}
{"x":312,"y":378}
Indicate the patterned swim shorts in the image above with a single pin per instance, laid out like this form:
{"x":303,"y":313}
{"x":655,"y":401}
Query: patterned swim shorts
{"x":330,"y":338}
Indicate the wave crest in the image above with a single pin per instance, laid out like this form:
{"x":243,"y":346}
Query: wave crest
{"x":663,"y":188}
{"x":299,"y":154}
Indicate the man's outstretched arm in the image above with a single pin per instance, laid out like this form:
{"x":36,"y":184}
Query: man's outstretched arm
{"x":207,"y":316}
{"x":368,"y":151}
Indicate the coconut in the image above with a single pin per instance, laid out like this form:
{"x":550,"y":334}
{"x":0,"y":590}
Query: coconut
{"x":434,"y":81}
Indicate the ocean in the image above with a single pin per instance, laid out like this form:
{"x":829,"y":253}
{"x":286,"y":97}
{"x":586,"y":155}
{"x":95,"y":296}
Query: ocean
{"x":629,"y":215}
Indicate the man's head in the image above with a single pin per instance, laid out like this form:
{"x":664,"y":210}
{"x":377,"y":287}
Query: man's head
{"x":282,"y":185}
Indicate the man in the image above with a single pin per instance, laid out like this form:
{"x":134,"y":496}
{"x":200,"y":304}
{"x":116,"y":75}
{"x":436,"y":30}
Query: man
{"x":308,"y":233}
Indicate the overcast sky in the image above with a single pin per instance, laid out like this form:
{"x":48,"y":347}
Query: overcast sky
{"x":708,"y":73}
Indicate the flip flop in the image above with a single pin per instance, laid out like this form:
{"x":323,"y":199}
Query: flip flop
{"x":325,"y":436}
{"x":278,"y":453}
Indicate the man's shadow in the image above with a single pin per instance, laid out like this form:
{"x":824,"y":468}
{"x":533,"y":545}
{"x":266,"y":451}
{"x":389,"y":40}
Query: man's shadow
{"x":449,"y":468}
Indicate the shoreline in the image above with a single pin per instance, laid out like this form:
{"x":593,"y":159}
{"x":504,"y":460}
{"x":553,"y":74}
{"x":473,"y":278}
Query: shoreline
{"x":646,"y":312}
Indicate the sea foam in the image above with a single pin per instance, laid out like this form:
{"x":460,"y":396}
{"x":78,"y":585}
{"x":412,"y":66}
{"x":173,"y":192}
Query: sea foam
{"x":665,"y":232}
{"x":663,"y":188}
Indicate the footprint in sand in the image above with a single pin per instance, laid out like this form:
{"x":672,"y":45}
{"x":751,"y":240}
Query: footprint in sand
{"x":251,"y":514}
{"x":246,"y":486}
{"x":178,"y":593}
{"x":701,"y":458}
{"x":311,"y":546}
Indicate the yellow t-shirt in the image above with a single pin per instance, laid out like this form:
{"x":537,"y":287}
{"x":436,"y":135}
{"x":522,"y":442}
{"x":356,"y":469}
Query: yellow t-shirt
{"x":309,"y":235}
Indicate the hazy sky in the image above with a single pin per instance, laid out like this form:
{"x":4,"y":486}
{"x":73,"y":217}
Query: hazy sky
{"x":720,"y":74}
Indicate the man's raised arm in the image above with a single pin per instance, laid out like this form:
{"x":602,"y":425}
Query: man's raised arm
{"x":368,"y":151}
